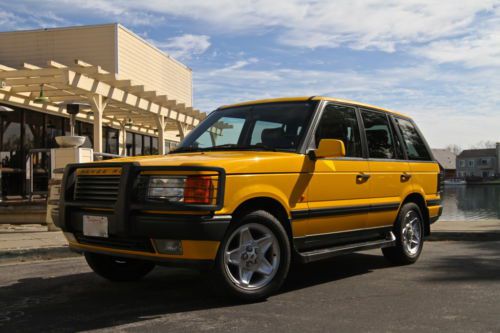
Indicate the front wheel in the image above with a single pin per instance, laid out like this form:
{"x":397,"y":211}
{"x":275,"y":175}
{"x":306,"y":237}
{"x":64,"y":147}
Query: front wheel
{"x":409,"y":231}
{"x":254,"y":257}
{"x":118,"y":269}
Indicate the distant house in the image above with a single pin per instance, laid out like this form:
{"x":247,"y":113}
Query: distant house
{"x":448,"y":160}
{"x":479,"y":163}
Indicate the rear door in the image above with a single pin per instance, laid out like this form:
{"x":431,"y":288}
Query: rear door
{"x":337,"y":199}
{"x":389,"y":170}
{"x":423,"y":168}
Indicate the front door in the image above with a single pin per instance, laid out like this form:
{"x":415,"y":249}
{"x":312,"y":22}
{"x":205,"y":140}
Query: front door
{"x":337,"y":195}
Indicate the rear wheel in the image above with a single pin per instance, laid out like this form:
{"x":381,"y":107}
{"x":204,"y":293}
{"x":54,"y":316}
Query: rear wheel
{"x":118,"y":269}
{"x":254,"y":257}
{"x":409,"y":231}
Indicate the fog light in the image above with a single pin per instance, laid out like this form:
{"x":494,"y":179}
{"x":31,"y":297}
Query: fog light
{"x":69,"y":236}
{"x":168,"y":246}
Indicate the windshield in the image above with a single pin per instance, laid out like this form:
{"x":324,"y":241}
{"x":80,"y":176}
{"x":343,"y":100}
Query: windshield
{"x":273,"y":126}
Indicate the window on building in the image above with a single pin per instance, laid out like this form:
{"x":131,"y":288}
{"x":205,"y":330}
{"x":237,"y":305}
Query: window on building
{"x":414,"y":144}
{"x":462,"y":163}
{"x":378,"y":135}
{"x":484,"y":161}
{"x":340,"y":123}
{"x":154,"y":146}
{"x":471,"y":163}
{"x":129,"y":144}
{"x":146,"y":145}
{"x":137,"y":144}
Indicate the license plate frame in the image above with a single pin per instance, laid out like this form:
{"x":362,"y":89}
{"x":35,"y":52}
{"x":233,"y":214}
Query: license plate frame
{"x":95,"y":226}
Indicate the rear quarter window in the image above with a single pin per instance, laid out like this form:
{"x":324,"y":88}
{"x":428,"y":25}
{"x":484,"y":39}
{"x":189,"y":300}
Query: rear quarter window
{"x":413,"y":142}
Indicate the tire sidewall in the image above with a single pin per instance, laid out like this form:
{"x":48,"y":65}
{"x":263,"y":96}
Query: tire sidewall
{"x":271,"y":222}
{"x":399,"y":230}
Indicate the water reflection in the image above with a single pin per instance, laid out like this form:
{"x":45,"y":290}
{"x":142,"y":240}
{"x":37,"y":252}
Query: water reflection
{"x":471,"y":202}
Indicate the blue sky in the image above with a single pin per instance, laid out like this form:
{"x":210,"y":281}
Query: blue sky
{"x":438,"y":61}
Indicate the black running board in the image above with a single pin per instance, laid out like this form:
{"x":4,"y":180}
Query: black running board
{"x":321,"y":254}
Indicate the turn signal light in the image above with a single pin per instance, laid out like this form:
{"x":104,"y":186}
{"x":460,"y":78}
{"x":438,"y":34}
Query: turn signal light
{"x":198,"y":190}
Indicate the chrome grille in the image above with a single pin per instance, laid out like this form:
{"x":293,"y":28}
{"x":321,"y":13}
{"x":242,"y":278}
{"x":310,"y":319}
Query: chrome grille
{"x":97,"y":188}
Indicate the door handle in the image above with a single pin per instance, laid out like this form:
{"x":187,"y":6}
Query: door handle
{"x":362,"y":177}
{"x":405,"y":177}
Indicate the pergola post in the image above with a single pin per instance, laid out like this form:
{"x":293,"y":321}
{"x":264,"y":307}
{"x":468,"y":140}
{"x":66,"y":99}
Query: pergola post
{"x":122,"y":140}
{"x":182,"y":130}
{"x":98,"y":104}
{"x":161,"y":124}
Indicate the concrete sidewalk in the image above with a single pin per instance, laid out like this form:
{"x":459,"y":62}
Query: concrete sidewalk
{"x":31,"y":242}
{"x":34,"y":242}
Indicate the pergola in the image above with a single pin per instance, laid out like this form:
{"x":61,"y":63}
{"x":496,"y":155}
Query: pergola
{"x":112,"y":100}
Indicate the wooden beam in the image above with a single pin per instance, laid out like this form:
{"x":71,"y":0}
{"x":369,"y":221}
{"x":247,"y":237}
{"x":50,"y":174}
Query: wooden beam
{"x":29,"y":66}
{"x":6,"y":68}
{"x":135,"y":89}
{"x":54,"y":64}
{"x":23,"y":73}
{"x":35,"y":80}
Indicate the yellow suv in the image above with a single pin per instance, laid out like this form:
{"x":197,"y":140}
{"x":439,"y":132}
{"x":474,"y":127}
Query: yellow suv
{"x":255,"y":186}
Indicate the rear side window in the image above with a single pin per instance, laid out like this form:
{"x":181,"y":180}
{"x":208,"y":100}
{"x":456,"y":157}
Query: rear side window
{"x":378,"y":135}
{"x":340,"y":123}
{"x":414,"y":144}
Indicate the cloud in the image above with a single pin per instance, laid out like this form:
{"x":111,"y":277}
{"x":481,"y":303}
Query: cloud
{"x":384,"y":25}
{"x":186,"y":46}
{"x":449,"y":107}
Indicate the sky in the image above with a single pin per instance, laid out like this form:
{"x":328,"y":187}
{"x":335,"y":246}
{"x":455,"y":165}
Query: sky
{"x":437,"y":61}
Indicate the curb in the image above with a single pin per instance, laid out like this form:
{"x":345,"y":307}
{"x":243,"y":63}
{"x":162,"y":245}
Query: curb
{"x":464,"y":236}
{"x":32,"y":254}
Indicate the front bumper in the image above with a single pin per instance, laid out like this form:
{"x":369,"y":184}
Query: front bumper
{"x":132,"y":226}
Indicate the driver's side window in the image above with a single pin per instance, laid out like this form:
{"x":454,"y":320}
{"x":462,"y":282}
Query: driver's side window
{"x":340,"y":123}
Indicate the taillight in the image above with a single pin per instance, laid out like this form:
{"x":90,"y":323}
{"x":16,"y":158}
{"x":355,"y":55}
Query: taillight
{"x":198,"y":190}
{"x":440,"y":179}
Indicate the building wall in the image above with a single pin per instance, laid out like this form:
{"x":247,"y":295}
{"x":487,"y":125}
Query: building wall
{"x":163,"y":73}
{"x":476,"y":167}
{"x":92,"y":44}
{"x":111,"y":46}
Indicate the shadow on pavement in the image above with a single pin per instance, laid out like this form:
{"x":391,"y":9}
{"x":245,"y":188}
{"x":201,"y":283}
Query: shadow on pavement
{"x":478,"y":261}
{"x":84,"y":301}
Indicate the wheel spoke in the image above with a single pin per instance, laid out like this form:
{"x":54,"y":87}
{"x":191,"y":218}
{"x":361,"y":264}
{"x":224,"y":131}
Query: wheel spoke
{"x":265,"y":243}
{"x":245,"y":236}
{"x":265,"y":267}
{"x":245,"y":276}
{"x":233,"y":257}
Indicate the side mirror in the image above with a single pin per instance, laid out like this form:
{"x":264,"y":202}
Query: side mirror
{"x":329,"y":148}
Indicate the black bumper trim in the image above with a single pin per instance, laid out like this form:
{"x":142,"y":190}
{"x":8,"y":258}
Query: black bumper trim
{"x":175,"y":227}
{"x":434,"y":202}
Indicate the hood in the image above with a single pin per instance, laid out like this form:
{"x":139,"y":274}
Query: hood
{"x":231,"y":161}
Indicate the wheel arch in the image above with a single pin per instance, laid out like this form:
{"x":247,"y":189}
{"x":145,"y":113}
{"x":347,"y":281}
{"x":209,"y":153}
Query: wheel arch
{"x":268,"y":204}
{"x":419,"y":200}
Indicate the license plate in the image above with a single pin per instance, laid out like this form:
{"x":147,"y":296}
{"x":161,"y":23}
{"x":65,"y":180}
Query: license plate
{"x":95,"y":226}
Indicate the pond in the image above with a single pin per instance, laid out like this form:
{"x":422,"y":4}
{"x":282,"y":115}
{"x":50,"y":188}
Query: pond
{"x":471,"y":202}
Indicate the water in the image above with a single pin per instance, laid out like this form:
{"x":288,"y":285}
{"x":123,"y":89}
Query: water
{"x":471,"y":202}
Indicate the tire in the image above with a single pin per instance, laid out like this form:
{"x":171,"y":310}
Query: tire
{"x":254,"y":258}
{"x":118,"y":269}
{"x":409,"y":231}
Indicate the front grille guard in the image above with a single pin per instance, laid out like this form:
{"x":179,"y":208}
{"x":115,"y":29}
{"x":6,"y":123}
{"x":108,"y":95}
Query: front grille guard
{"x":126,"y":203}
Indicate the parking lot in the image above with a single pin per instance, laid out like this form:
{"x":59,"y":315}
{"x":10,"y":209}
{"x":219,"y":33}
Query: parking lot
{"x":454,"y":287}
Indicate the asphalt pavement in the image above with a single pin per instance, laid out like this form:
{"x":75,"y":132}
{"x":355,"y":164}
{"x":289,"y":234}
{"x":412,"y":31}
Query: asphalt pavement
{"x":454,"y":287}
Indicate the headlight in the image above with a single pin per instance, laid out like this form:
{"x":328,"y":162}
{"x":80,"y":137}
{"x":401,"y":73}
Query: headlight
{"x":183,"y":189}
{"x":167,"y":188}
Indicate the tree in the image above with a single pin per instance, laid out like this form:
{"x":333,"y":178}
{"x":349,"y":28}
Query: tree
{"x":455,"y":149}
{"x":484,"y":144}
